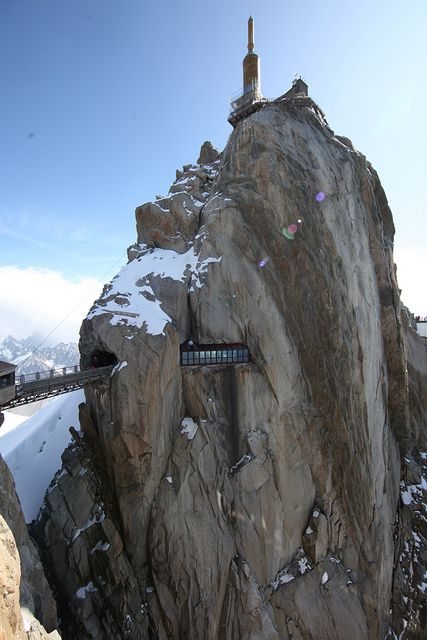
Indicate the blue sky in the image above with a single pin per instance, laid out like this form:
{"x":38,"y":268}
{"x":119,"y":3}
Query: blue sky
{"x":103,"y":100}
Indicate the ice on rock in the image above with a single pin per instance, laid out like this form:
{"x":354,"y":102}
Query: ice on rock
{"x":84,"y":591}
{"x":303,"y":565}
{"x":119,"y":366}
{"x":189,"y":428}
{"x":98,"y":517}
{"x":100,"y":546}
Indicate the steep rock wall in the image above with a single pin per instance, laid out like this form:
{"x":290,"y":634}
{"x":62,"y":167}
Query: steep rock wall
{"x":274,"y":517}
{"x":35,"y":593}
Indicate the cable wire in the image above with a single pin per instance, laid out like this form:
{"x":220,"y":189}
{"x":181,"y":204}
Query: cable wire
{"x":100,"y":280}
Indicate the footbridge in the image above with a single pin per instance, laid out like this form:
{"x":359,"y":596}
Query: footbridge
{"x":46,"y":384}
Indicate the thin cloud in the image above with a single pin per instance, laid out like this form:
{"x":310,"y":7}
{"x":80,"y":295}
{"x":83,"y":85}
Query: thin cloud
{"x":44,"y":229}
{"x":12,"y":233}
{"x":35,"y":300}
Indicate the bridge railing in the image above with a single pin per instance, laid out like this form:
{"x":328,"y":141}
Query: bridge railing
{"x":62,"y":380}
{"x":47,"y":375}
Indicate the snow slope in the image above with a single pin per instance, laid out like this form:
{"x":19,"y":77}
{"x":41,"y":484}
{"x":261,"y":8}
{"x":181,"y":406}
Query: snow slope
{"x":11,"y":421}
{"x":32,"y":448}
{"x":129,"y":297}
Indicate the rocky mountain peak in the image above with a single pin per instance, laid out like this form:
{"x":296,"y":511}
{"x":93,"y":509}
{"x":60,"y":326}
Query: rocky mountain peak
{"x":254,"y":498}
{"x":30,"y":357}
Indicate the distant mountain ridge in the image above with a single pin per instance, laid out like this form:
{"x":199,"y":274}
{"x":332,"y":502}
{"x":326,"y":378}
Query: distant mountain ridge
{"x":20,"y":352}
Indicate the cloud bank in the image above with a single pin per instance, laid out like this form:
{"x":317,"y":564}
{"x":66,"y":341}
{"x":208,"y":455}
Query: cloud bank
{"x":411,"y":264}
{"x":36,"y":300}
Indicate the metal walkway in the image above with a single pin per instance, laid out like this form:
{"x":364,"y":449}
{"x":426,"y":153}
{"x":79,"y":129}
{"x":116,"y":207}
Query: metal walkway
{"x":45,"y":384}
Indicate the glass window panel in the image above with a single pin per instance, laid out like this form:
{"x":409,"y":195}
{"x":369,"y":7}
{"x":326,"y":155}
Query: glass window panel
{"x":219,"y":355}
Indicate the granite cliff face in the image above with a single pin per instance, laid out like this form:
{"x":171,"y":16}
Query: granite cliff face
{"x":259,"y":500}
{"x":26,"y":602}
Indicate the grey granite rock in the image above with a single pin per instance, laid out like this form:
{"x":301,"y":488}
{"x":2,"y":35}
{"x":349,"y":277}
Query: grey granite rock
{"x":35,"y":593}
{"x":216,"y":527}
{"x":208,"y":153}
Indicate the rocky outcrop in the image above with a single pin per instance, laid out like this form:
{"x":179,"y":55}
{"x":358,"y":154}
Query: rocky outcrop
{"x":96,"y":589}
{"x":208,"y":153}
{"x":173,"y":221}
{"x":417,"y":378}
{"x":36,"y":598}
{"x":16,"y":621}
{"x":11,"y":623}
{"x":255,"y":500}
{"x":408,"y":605}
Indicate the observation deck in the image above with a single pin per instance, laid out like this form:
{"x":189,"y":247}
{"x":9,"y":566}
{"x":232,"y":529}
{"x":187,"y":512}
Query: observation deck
{"x":209,"y":354}
{"x":244,"y":103}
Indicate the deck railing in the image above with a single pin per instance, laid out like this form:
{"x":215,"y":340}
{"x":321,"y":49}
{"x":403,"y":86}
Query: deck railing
{"x":47,"y":375}
{"x":45,"y":384}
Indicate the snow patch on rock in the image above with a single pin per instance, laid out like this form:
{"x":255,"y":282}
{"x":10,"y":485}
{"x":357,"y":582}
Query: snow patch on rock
{"x":189,"y":428}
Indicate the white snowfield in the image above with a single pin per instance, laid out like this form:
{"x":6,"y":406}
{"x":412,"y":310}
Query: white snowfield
{"x":32,"y":447}
{"x":137,"y":304}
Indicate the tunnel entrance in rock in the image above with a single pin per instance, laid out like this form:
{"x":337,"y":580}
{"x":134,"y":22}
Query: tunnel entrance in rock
{"x":193,"y":354}
{"x":101,"y":358}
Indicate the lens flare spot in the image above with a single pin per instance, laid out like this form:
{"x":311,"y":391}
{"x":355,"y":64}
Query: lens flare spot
{"x":293,"y":228}
{"x":289,"y":236}
{"x":320,"y":196}
{"x":263,"y":262}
